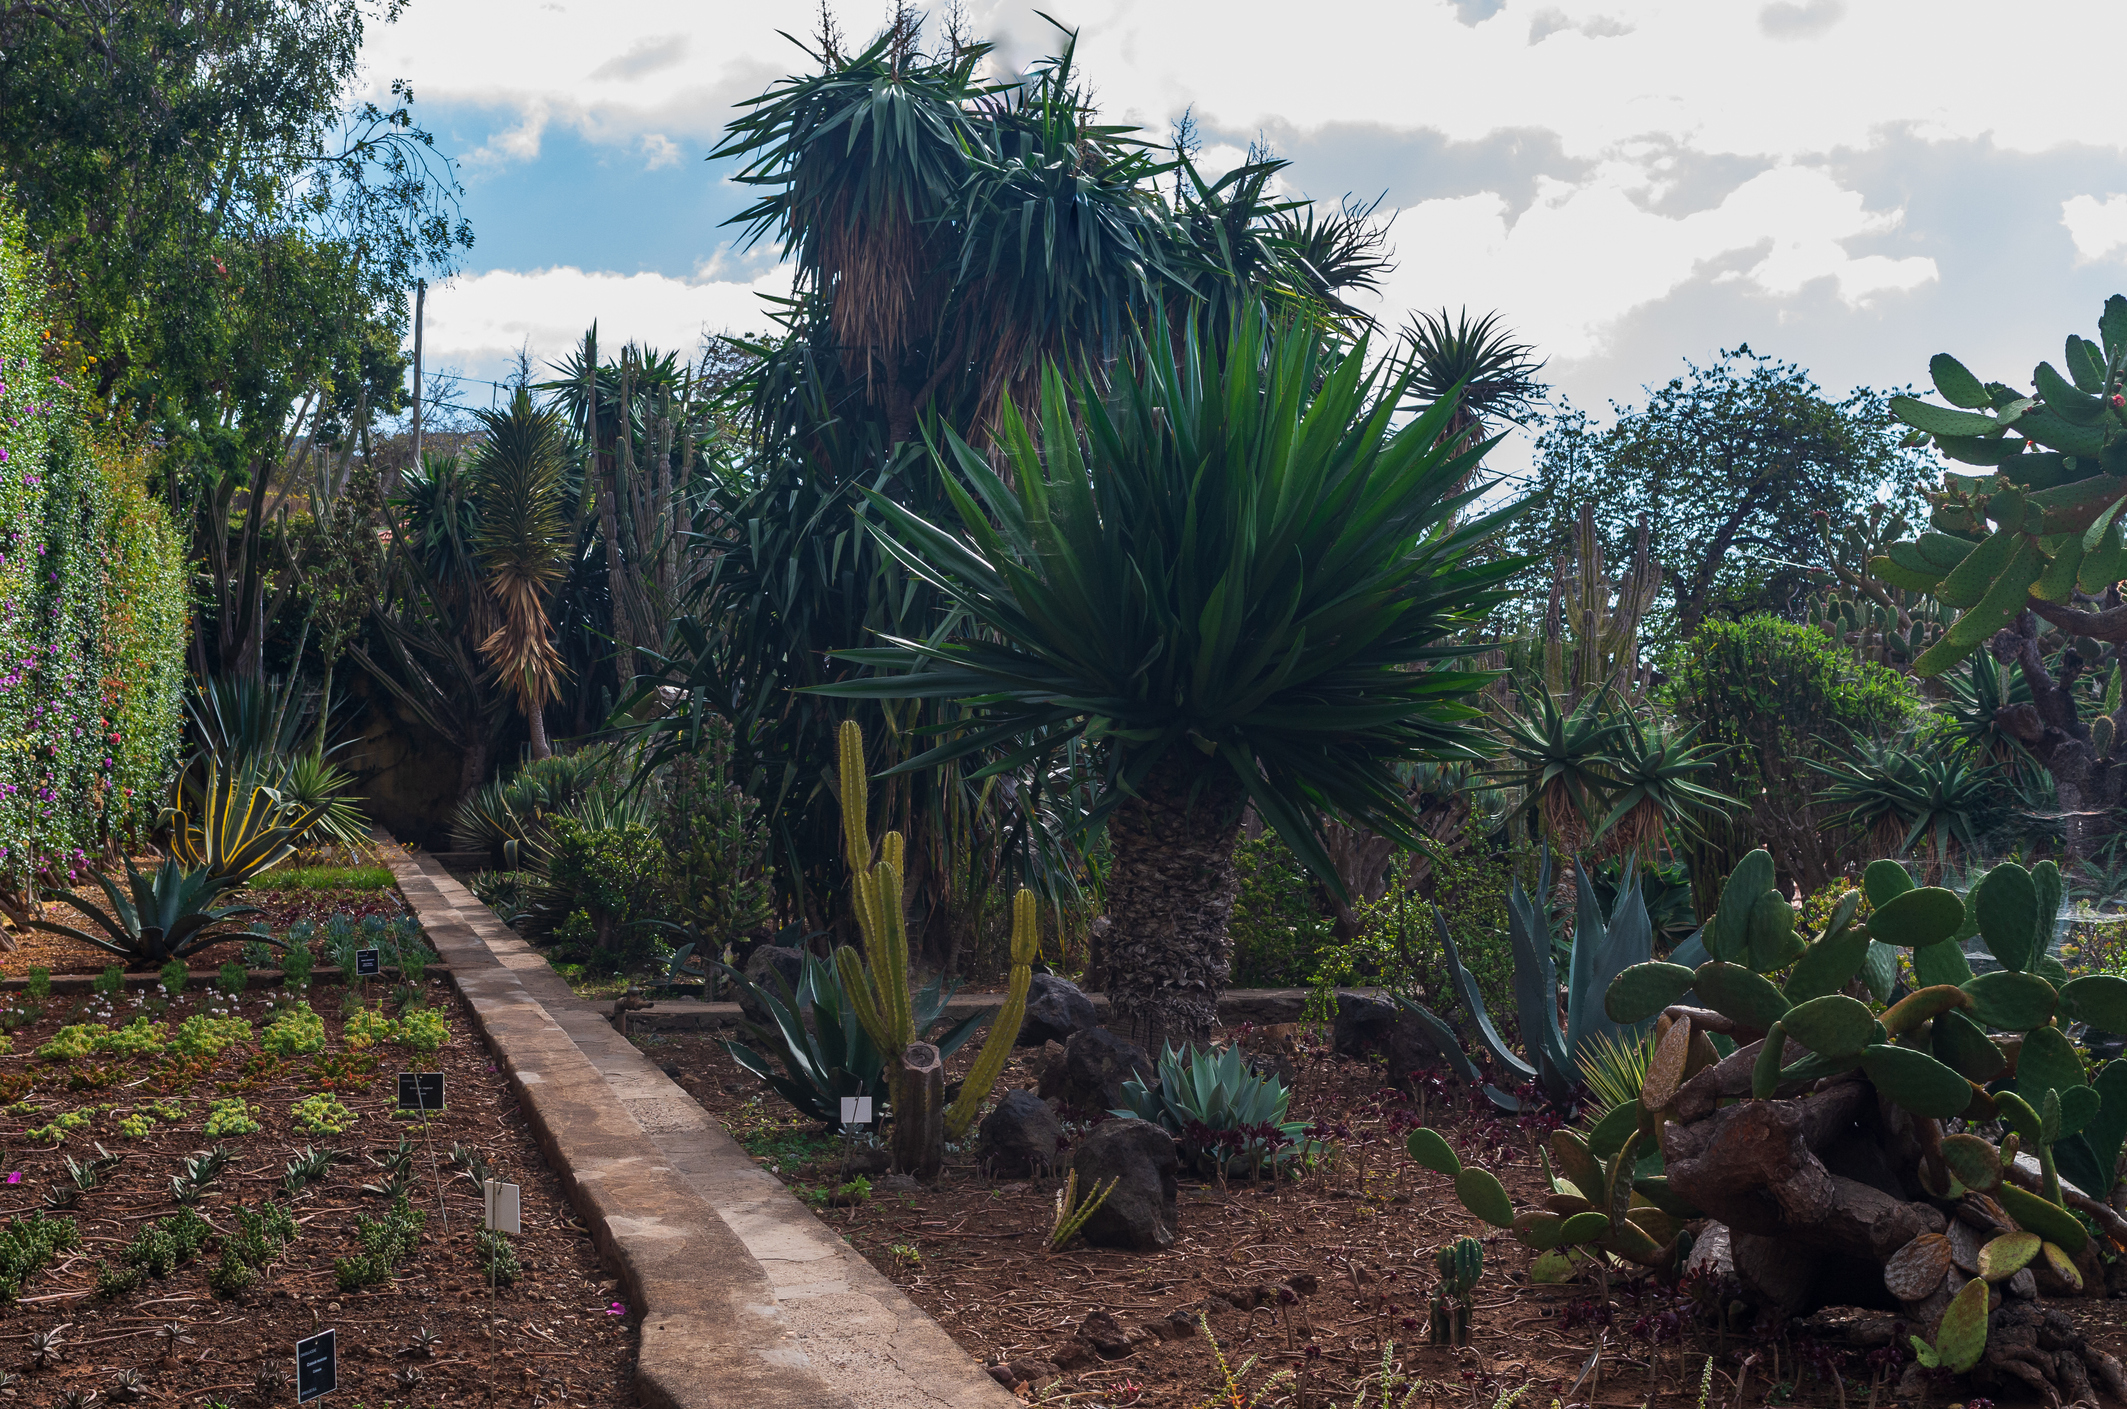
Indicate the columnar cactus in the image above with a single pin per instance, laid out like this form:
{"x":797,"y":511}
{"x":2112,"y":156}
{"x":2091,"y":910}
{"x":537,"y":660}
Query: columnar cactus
{"x":1461,"y":1263}
{"x":1004,"y":1028}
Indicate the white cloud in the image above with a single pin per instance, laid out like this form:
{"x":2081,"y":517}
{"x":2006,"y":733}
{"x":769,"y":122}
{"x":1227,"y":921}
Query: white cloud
{"x":2098,"y":227}
{"x":519,"y":143}
{"x":659,"y":151}
{"x":1586,"y":254}
{"x":478,"y":321}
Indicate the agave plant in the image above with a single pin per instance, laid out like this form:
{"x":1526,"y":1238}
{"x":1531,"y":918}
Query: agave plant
{"x":167,"y":915}
{"x":258,"y":725}
{"x":1225,"y":1116}
{"x":1566,"y":762}
{"x":832,"y":1057}
{"x":244,"y":822}
{"x":1602,"y":947}
{"x":1658,"y":786}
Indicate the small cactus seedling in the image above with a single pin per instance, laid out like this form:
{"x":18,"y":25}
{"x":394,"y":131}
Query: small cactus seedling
{"x":1461,"y":1263}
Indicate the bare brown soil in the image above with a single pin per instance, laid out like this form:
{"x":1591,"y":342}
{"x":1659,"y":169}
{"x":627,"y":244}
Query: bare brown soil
{"x":556,"y":1337}
{"x":1316,"y":1279}
{"x":58,"y":954}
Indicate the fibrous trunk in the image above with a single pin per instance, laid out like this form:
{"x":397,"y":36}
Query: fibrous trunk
{"x":1166,"y":954}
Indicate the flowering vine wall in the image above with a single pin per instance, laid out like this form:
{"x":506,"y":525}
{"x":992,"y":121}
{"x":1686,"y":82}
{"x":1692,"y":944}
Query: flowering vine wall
{"x":92,"y":616}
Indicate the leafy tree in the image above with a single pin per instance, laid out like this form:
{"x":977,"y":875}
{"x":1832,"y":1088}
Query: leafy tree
{"x":1219,"y":568}
{"x":1784,"y":699}
{"x":1730,"y":464}
{"x":226,"y":234}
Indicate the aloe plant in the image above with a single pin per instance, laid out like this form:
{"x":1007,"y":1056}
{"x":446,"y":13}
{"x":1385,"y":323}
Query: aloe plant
{"x":832,"y":1056}
{"x":1602,"y":948}
{"x":1203,"y":1095}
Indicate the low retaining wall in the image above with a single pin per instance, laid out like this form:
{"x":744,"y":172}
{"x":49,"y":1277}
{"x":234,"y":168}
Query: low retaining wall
{"x":1261,"y":1006}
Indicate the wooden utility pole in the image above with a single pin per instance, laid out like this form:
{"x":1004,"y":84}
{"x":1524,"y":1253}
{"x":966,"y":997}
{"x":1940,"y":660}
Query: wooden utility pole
{"x":420,"y":301}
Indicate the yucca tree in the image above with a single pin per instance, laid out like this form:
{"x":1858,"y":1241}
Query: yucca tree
{"x":949,"y":235}
{"x":1660,"y":784}
{"x":1898,"y":795}
{"x":1228,"y":569}
{"x":525,"y":540}
{"x":1566,"y":763}
{"x":1490,"y":376}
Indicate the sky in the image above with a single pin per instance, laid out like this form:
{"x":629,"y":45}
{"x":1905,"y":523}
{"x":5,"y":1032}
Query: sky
{"x":1847,"y":185}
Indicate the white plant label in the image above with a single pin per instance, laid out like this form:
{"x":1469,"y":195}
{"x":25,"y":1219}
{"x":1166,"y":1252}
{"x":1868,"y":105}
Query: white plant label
{"x":504,"y":1207}
{"x":856,"y":1110}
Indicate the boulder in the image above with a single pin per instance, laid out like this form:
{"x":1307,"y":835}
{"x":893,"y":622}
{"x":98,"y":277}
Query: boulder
{"x":1366,"y":1027}
{"x":1020,"y":1137}
{"x":1055,"y":1010}
{"x":1095,"y":1065}
{"x":1139,"y":1212}
{"x":764,"y":966}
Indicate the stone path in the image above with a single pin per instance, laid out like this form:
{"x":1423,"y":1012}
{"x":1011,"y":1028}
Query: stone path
{"x":746,"y":1298}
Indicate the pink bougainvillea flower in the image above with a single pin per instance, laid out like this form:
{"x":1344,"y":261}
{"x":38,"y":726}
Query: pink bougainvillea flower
{"x":14,"y":1176}
{"x":618,"y":1308}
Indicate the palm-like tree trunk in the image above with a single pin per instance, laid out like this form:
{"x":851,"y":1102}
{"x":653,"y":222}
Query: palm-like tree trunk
{"x":1170,"y":890}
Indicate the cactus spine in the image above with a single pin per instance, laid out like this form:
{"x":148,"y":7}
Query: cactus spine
{"x":1004,"y":1028}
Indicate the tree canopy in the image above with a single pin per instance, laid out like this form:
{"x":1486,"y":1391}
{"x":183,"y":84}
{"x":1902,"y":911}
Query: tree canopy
{"x":1731,"y":463}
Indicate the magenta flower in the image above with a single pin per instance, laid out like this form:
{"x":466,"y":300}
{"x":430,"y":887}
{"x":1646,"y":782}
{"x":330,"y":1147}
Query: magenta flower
{"x":616,"y":1309}
{"x":14,"y":1176}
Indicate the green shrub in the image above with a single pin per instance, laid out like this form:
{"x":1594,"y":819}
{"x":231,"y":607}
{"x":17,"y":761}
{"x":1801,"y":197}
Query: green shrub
{"x":604,"y":879}
{"x":110,"y":983}
{"x":37,"y":984}
{"x":296,"y":964}
{"x":138,"y":1038}
{"x":1783,"y":697}
{"x":202,"y":1036}
{"x":96,"y":586}
{"x":71,"y":1043}
{"x":386,"y":1242}
{"x":1398,"y":944}
{"x":29,"y":1244}
{"x":232,"y":978}
{"x":716,"y":850}
{"x":422,"y":1030}
{"x":173,"y":977}
{"x":498,"y":1260}
{"x":1276,"y":928}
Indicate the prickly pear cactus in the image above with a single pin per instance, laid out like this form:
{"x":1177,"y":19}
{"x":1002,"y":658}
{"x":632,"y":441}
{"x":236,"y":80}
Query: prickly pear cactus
{"x":2037,"y":520}
{"x":1773,"y":1065}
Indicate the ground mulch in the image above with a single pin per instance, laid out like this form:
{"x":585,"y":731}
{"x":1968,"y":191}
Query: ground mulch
{"x":278,"y":910}
{"x":556,"y":1337}
{"x":1322,"y":1280}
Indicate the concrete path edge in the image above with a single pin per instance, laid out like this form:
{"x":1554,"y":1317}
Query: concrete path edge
{"x":678,"y":1211}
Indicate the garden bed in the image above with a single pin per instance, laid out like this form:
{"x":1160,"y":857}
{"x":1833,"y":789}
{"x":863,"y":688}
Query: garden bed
{"x":1317,"y":1276}
{"x":285,"y":897}
{"x":425,"y":1329}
